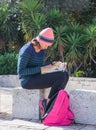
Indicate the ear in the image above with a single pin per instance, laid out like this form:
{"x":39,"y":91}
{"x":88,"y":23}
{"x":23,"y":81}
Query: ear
{"x":35,"y":42}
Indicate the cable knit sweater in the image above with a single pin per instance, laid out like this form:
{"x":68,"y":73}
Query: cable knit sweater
{"x":29,"y":62}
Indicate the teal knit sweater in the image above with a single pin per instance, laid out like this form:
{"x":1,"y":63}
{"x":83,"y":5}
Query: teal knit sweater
{"x":29,"y":62}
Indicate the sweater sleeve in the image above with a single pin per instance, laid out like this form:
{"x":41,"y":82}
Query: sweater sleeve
{"x":23,"y":69}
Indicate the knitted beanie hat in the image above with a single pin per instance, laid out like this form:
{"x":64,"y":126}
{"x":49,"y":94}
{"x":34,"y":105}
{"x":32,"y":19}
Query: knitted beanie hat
{"x":46,"y":36}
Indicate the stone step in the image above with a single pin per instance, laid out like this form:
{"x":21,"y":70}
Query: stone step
{"x":26,"y":103}
{"x":83,"y":104}
{"x":11,"y":81}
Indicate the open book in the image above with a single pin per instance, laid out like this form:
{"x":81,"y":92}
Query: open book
{"x":58,"y":66}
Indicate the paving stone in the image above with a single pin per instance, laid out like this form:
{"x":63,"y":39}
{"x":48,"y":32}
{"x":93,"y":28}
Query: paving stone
{"x":17,"y":124}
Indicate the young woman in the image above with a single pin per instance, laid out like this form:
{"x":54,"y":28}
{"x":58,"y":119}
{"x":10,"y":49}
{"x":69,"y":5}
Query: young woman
{"x":31,"y":65}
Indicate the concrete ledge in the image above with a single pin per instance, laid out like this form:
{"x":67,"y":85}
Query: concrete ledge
{"x":81,"y":83}
{"x":77,"y":83}
{"x":26,"y":103}
{"x":83,"y":103}
{"x":7,"y":122}
{"x":11,"y":81}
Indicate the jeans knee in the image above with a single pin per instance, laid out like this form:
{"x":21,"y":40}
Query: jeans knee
{"x":65,"y":76}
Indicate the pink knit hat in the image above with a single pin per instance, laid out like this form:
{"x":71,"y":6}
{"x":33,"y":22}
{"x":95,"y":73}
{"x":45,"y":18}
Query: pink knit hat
{"x":46,"y":36}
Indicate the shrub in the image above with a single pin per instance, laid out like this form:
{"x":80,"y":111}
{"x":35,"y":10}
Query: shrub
{"x":8,"y":63}
{"x":80,"y":73}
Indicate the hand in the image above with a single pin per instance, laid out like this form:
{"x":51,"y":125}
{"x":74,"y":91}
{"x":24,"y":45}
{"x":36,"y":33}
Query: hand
{"x":56,"y":63}
{"x":65,"y":64}
{"x":47,"y":68}
{"x":61,"y":66}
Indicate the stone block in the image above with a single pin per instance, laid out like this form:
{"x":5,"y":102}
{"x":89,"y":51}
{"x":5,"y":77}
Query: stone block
{"x":26,"y":103}
{"x":81,"y":83}
{"x":77,"y":83}
{"x":83,"y":104}
{"x":9,"y":81}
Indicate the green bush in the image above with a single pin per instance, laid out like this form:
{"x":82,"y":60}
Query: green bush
{"x":8,"y":63}
{"x":80,"y":73}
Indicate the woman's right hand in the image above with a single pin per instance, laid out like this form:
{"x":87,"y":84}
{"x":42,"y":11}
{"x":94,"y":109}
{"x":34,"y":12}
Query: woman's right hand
{"x":47,"y":68}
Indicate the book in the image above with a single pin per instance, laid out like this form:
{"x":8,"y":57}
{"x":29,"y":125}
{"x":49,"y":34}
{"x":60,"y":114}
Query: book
{"x":57,"y":66}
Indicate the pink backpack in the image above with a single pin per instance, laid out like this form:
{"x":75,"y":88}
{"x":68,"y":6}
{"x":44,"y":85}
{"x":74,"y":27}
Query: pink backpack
{"x":60,"y":113}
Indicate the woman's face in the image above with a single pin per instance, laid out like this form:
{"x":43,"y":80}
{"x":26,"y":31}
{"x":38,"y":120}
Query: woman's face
{"x":44,"y":46}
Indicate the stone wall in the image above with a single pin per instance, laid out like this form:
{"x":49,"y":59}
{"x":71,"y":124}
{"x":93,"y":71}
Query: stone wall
{"x":9,"y":81}
{"x":81,"y":83}
{"x":77,"y":83}
{"x":74,"y":82}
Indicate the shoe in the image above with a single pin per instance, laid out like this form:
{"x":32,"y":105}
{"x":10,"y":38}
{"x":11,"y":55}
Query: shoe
{"x":42,"y":106}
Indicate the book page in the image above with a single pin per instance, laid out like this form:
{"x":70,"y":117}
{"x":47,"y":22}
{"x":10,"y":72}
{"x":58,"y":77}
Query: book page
{"x":58,"y":66}
{"x":50,"y":71}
